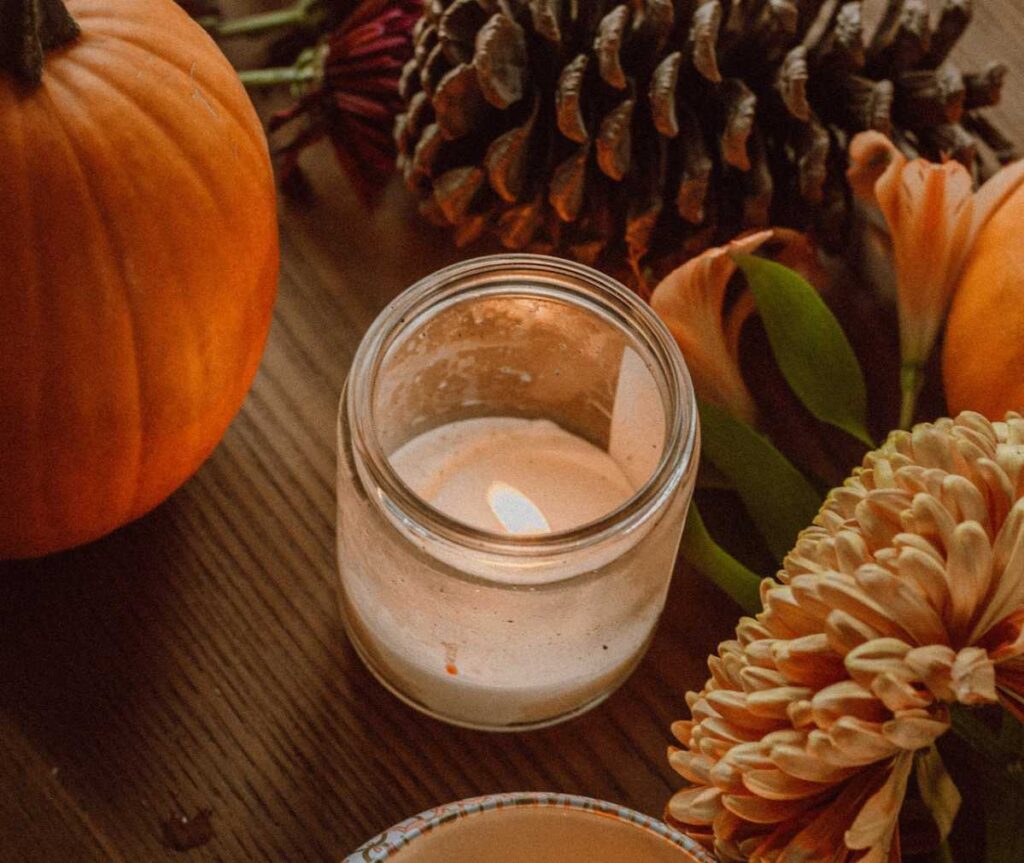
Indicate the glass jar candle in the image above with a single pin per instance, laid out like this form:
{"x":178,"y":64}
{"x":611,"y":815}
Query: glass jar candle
{"x":517,"y":446}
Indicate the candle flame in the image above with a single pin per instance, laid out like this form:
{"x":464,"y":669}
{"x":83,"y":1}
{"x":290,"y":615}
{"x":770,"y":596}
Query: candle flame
{"x":516,"y":512}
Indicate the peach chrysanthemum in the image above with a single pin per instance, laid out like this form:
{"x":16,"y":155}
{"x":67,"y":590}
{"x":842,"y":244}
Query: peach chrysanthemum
{"x":904,"y":596}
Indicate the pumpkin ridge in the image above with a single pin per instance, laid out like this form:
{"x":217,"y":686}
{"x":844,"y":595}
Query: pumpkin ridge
{"x":204,"y":181}
{"x":35,"y":504}
{"x":115,"y":247}
{"x":122,"y":35}
{"x":251,"y":131}
{"x":203,"y":185}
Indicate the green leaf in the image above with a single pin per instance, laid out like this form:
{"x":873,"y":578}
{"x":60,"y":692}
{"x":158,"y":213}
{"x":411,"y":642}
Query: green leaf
{"x":937,"y":790}
{"x":1004,"y":839}
{"x":1011,"y":737}
{"x":1000,"y":762}
{"x":778,"y":497}
{"x":1000,"y":755}
{"x":809,"y":346}
{"x":710,"y":476}
{"x":718,"y":566}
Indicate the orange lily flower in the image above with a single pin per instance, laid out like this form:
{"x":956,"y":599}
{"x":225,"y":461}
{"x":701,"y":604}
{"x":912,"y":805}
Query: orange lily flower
{"x":689,"y":300}
{"x":933,"y":217}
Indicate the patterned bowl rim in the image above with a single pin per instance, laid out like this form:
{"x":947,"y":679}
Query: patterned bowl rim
{"x":384,"y":845}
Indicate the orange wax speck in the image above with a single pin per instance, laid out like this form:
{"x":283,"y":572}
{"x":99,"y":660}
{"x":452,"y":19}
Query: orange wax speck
{"x":451,"y":669}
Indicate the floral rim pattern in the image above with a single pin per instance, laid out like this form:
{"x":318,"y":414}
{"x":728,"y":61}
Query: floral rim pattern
{"x":383,"y":846}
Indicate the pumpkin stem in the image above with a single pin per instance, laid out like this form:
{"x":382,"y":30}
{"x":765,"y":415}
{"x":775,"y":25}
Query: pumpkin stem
{"x":28,"y":29}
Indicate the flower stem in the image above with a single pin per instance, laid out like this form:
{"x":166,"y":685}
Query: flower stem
{"x":911,"y":382}
{"x":718,"y":566}
{"x":276,"y":76}
{"x":943,"y":854}
{"x":261,"y":22}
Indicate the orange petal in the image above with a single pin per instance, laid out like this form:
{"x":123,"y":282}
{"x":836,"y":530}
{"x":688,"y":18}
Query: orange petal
{"x":697,"y":805}
{"x":870,"y":154}
{"x":797,"y":762}
{"x":876,"y":821}
{"x":929,"y":209}
{"x":915,"y":729}
{"x":761,"y":811}
{"x":974,"y":677}
{"x":773,"y":784}
{"x":690,"y":302}
{"x":846,"y":698}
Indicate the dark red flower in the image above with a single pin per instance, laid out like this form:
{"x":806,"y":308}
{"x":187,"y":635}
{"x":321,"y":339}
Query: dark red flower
{"x":353,"y":97}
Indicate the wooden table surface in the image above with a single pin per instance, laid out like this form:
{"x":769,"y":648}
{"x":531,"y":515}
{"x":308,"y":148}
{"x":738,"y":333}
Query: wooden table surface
{"x":194,"y":664}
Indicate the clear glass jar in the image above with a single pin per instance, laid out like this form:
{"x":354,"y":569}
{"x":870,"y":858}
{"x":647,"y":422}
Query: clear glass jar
{"x":490,"y":630}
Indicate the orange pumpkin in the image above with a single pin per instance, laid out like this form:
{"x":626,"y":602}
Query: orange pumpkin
{"x":138,"y":264}
{"x":983,"y":354}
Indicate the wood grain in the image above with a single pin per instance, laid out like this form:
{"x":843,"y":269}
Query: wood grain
{"x":195,"y":660}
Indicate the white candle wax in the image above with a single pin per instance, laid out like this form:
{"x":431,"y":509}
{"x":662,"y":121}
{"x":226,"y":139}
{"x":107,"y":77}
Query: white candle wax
{"x":512,"y":656}
{"x":512,"y":475}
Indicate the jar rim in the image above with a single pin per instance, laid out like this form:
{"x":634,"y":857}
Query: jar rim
{"x":566,"y":281}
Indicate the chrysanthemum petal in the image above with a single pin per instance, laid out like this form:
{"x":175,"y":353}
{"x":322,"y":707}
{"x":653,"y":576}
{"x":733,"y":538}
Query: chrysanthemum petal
{"x":846,"y":632}
{"x":798,"y":762}
{"x":693,"y":767}
{"x":733,"y":707}
{"x":697,"y":805}
{"x":914,"y":729}
{"x":846,"y":698}
{"x":969,"y":573}
{"x":773,"y":703}
{"x":876,"y":821}
{"x":773,"y":784}
{"x":758,"y":810}
{"x":974,"y":677}
{"x":864,"y":741}
{"x":898,"y":693}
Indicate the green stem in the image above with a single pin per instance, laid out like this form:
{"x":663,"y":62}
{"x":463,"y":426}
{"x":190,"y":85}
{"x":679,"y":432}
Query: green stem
{"x":276,"y":76}
{"x":28,"y":29}
{"x":943,"y":854}
{"x":260,"y":23}
{"x":911,"y":382}
{"x":718,"y":566}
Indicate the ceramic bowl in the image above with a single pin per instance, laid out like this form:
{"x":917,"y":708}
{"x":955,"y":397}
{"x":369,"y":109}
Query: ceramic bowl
{"x":413,"y":838}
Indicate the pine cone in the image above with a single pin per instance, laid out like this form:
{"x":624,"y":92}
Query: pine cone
{"x":655,"y":128}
